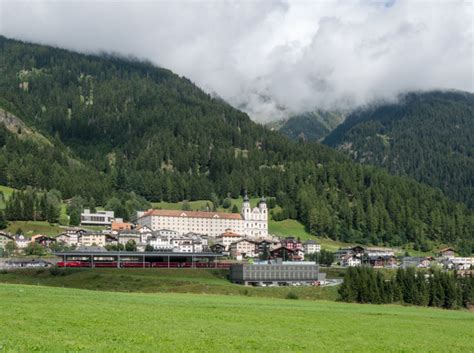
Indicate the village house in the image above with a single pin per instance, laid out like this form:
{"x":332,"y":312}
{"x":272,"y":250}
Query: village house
{"x":118,"y":225}
{"x":311,"y":247}
{"x":90,"y":239}
{"x":218,"y":248}
{"x":291,"y":243}
{"x":21,"y":241}
{"x":68,"y":239}
{"x":243,"y":248}
{"x":378,"y":251}
{"x":447,"y":252}
{"x":350,"y":260}
{"x":43,"y":240}
{"x":228,"y":238}
{"x":459,"y":263}
{"x":282,"y":252}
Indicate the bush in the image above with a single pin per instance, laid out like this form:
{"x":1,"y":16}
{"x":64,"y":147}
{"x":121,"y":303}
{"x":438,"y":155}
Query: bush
{"x":56,"y":271}
{"x":291,"y":295}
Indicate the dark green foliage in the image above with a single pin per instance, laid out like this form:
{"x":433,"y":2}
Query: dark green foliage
{"x":410,"y":286}
{"x":427,"y":136}
{"x":324,"y":257}
{"x":122,"y":127}
{"x":149,"y":248}
{"x":34,"y":249}
{"x":235,"y":209}
{"x":131,"y":245}
{"x":30,"y":205}
{"x":291,"y":295}
{"x":3,"y":221}
{"x":311,"y":126}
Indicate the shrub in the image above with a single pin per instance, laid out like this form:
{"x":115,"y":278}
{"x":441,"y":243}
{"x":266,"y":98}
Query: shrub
{"x":291,"y":295}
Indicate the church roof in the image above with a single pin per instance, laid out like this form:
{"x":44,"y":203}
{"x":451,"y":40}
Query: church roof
{"x":192,"y":214}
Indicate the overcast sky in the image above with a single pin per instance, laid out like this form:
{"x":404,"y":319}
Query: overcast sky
{"x":271,"y":58}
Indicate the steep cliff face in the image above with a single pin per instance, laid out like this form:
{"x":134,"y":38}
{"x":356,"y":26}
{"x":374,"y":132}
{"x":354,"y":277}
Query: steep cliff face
{"x":16,"y":126}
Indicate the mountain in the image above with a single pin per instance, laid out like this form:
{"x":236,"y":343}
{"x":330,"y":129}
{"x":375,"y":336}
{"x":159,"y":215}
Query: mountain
{"x":133,"y":127}
{"x":427,"y":136}
{"x":309,"y":126}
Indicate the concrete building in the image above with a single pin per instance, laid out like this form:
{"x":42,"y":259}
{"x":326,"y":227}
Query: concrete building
{"x":100,"y":218}
{"x":282,"y":273}
{"x":250,"y":222}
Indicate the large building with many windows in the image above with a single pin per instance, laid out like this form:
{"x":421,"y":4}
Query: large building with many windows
{"x":250,"y":222}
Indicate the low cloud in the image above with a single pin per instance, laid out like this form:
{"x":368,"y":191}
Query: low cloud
{"x":271,"y":59}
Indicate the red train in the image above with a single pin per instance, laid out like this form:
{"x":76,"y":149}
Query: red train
{"x":86,"y":264}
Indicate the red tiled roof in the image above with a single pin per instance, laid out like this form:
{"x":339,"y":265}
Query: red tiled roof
{"x":192,"y":214}
{"x":229,"y":234}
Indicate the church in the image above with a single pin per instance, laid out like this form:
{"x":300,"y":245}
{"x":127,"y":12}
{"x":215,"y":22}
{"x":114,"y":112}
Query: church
{"x":251,"y":223}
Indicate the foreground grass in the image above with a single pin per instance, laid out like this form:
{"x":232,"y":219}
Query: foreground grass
{"x":60,"y":319}
{"x":201,"y":281}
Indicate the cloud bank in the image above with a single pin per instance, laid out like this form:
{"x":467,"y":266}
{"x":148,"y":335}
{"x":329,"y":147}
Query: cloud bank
{"x":271,"y":58}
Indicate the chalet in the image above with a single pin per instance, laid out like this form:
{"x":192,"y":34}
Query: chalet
{"x":342,"y":253}
{"x":218,"y":248}
{"x":459,"y":263}
{"x":283,"y":253}
{"x":68,"y":239}
{"x":311,"y":247}
{"x":291,"y":243}
{"x":350,"y":260}
{"x":21,"y":241}
{"x":243,"y":248}
{"x":447,"y":252}
{"x":376,"y":261}
{"x":391,"y":262}
{"x":298,"y":255}
{"x":382,"y":252}
{"x":43,"y":240}
{"x":419,"y":262}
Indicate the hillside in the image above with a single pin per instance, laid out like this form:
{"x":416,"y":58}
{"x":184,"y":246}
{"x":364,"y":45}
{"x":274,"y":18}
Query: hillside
{"x":427,"y":136}
{"x":212,"y":323}
{"x":310,"y":126}
{"x":134,"y":127}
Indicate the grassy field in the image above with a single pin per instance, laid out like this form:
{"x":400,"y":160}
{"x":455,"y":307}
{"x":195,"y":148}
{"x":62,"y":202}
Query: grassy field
{"x":7,"y":191}
{"x":36,"y":318}
{"x":30,"y":228}
{"x":200,"y":281}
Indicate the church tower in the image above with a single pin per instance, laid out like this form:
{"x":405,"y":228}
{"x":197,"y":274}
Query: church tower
{"x":246,"y":211}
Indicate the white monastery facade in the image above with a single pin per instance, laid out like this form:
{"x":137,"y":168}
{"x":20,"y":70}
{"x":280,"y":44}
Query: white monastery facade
{"x":252,"y":223}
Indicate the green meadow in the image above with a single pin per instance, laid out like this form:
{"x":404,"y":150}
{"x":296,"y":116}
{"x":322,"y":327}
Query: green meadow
{"x":47,"y":319}
{"x":197,"y":281}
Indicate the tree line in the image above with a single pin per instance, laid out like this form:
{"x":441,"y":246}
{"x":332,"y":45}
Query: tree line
{"x":117,"y":126}
{"x":433,"y":288}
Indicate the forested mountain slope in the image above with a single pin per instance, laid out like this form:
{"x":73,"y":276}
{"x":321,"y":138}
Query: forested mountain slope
{"x":309,"y":126}
{"x":427,"y":136}
{"x":139,"y":128}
